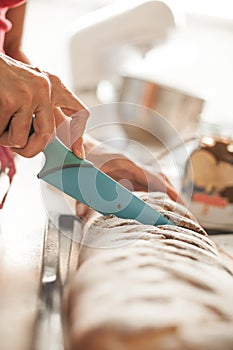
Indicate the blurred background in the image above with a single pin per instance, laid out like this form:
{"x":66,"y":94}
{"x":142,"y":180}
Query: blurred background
{"x":174,"y":57}
{"x":194,"y":55}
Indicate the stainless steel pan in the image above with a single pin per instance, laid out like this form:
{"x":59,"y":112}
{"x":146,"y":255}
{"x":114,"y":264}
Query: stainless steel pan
{"x":178,"y":107}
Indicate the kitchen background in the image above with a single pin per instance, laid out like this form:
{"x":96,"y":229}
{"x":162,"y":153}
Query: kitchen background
{"x":196,"y":57}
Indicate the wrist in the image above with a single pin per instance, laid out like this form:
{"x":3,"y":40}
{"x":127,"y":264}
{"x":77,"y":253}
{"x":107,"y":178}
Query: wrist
{"x":16,"y":53}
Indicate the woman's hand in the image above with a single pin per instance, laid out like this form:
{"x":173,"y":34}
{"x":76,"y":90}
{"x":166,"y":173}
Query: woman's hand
{"x":26,"y":90}
{"x":125,"y":171}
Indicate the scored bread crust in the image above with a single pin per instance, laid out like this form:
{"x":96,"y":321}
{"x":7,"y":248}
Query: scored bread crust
{"x":141,"y":287}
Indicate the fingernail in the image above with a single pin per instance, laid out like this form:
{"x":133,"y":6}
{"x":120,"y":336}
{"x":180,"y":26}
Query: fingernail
{"x":83,"y":152}
{"x":80,"y":153}
{"x":80,"y":210}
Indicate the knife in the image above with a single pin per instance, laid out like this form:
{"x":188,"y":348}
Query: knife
{"x":48,"y":331}
{"x":81,"y":180}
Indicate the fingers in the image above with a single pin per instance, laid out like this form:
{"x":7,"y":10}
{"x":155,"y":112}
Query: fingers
{"x":131,"y":176}
{"x":173,"y":194}
{"x":170,"y":190}
{"x":138,"y":177}
{"x":17,"y":133}
{"x":70,"y":131}
{"x":44,"y":127}
{"x":77,"y":128}
{"x":145,"y":180}
{"x":62,"y":126}
{"x":159,"y":182}
{"x":82,"y":210}
{"x":73,"y":107}
{"x":65,"y":98}
{"x":27,"y":91}
{"x":78,"y":148}
{"x":5,"y":116}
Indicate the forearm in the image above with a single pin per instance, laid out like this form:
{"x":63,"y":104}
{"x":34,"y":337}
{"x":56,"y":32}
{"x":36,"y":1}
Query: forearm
{"x":18,"y":55}
{"x":13,"y":39}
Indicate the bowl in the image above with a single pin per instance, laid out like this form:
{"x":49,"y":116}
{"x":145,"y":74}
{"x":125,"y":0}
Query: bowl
{"x":178,"y":110}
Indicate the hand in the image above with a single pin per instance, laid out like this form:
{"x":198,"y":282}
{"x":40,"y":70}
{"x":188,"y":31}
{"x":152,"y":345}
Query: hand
{"x":125,"y":171}
{"x":25,"y":90}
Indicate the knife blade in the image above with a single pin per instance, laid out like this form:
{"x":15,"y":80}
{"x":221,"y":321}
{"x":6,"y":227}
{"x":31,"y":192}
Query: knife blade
{"x":81,"y":180}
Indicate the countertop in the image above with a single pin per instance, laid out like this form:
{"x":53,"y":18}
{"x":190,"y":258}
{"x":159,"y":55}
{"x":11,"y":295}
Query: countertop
{"x":21,"y":243}
{"x":22,"y":223}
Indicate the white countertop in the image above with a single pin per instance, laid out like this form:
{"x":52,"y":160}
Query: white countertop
{"x":22,"y":223}
{"x":21,"y":242}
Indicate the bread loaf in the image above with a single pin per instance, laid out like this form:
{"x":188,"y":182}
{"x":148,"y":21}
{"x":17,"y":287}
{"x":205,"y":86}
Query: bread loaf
{"x":140,"y":287}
